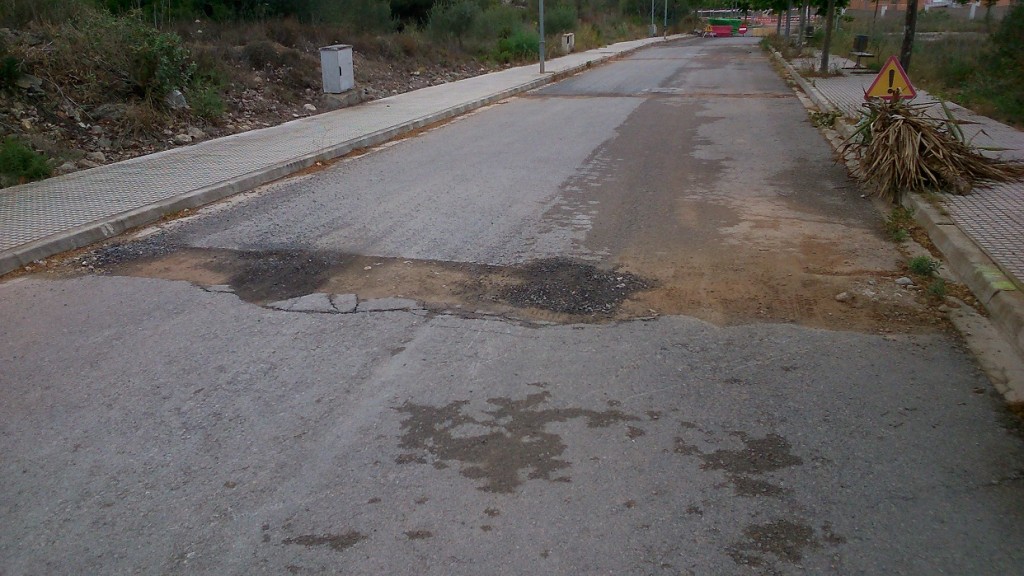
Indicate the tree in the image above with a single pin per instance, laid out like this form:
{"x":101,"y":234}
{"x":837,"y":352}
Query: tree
{"x":826,"y":45}
{"x":988,"y":12}
{"x":909,"y":27}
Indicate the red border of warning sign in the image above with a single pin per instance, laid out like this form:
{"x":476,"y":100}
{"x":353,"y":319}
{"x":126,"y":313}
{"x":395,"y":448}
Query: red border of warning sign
{"x":892,"y":64}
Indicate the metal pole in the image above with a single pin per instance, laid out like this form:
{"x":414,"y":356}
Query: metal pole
{"x":653,"y":29}
{"x":664,"y":28}
{"x":542,"y":36}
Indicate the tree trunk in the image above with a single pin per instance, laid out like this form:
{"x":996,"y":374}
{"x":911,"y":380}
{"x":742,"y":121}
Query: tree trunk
{"x":778,"y":24}
{"x":830,"y":18}
{"x":789,"y":19}
{"x":909,"y":27}
{"x":803,"y":23}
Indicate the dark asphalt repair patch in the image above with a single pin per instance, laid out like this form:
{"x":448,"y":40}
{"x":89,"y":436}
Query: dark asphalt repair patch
{"x":496,"y":450}
{"x":785,"y":540}
{"x":337,"y":542}
{"x":568,"y":287}
{"x":759,"y":456}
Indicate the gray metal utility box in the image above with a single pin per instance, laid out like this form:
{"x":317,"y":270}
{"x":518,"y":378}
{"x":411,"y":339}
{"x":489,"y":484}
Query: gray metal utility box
{"x":336,"y":65}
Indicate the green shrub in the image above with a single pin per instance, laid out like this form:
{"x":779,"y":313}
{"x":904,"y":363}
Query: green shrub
{"x":19,"y":163}
{"x":10,"y":71}
{"x":521,"y":45}
{"x":206,"y":102}
{"x":561,"y":18}
{"x":18,"y":13}
{"x":98,"y":56}
{"x":497,"y":22}
{"x":924,"y":266}
{"x":453,"y":19}
{"x":363,"y":16}
{"x":161,"y":64}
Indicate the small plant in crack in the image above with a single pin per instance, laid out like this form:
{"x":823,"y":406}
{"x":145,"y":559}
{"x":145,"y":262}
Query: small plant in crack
{"x":924,"y":266}
{"x":937,"y":289}
{"x":898,"y":223}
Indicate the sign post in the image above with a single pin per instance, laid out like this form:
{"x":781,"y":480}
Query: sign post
{"x":891,"y":80}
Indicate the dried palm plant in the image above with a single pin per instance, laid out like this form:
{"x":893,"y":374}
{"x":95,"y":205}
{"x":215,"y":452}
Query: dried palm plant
{"x":901,"y":148}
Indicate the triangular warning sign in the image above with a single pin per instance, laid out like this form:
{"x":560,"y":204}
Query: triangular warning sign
{"x":890,"y":80}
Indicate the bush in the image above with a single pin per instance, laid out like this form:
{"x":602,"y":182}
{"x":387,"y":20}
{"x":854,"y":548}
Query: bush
{"x":560,"y":19}
{"x":453,"y":19}
{"x":260,"y":54}
{"x":497,"y":22}
{"x":924,"y":266}
{"x":10,"y":68}
{"x":161,"y":64}
{"x":206,"y":102}
{"x":363,"y":16}
{"x":20,"y":164}
{"x":521,"y":45}
{"x":18,"y":13}
{"x":97,"y":56}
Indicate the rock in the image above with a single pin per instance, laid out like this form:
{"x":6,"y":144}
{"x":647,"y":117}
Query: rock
{"x":844,"y":297}
{"x":196,"y":133}
{"x":309,"y":108}
{"x":181,"y":139}
{"x":944,"y":308}
{"x":175,"y":100}
{"x":104,"y":142}
{"x":96,"y":129}
{"x":83,"y":163}
{"x":26,"y":125}
{"x":904,"y":281}
{"x":98,"y":157}
{"x":29,"y":82}
{"x":110,"y":111}
{"x":66,"y":168}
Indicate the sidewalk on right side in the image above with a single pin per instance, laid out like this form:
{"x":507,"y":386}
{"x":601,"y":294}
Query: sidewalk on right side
{"x":981,"y":235}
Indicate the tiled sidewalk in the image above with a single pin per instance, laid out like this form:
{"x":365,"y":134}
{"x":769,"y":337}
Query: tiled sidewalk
{"x":992,"y":216}
{"x":44,"y":218}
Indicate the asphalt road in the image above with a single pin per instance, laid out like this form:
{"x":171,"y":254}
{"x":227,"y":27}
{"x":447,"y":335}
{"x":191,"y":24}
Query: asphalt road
{"x":713,"y":410}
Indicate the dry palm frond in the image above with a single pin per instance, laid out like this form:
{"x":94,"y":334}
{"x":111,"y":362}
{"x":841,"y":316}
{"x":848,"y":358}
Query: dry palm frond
{"x":902,"y":149}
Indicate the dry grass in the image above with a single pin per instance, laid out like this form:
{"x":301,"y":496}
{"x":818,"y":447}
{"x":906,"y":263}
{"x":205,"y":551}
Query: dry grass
{"x":901,"y":148}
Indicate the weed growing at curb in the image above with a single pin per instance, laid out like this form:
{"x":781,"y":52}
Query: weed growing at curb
{"x":898,"y":223}
{"x":937,"y":288}
{"x":825,"y":119}
{"x":20,"y":164}
{"x":924,"y":266}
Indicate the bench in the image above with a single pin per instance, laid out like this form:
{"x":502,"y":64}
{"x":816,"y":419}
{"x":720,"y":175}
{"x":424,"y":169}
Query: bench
{"x":857,"y":65}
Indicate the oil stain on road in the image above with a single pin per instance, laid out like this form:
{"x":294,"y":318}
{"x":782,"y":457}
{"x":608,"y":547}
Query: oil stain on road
{"x":496,"y":449}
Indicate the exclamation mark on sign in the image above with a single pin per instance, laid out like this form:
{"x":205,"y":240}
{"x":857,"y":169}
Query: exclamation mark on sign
{"x":892,"y":78}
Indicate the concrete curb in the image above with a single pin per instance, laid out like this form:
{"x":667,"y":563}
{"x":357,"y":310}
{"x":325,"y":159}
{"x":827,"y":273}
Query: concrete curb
{"x":996,"y":292}
{"x":114,"y":225}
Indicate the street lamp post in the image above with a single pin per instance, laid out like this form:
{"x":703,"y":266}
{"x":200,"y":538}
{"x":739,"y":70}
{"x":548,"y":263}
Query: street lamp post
{"x":541,"y":36}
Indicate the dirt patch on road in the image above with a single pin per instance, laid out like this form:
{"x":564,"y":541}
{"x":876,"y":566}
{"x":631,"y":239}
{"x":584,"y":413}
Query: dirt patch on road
{"x":553,"y":290}
{"x":726,"y":287}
